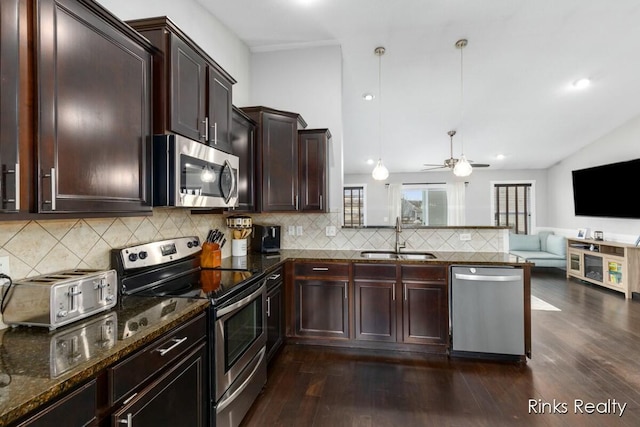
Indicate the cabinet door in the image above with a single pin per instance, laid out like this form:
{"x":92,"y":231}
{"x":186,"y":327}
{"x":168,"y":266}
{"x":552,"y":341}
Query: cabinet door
{"x":425,"y":309}
{"x":279,"y":163}
{"x":425,"y":312}
{"x":219,"y":111}
{"x":243,"y":145}
{"x":94,"y":116}
{"x":187,"y":92}
{"x":275,"y":320}
{"x":322,"y":308}
{"x":78,"y":408}
{"x":178,"y":398}
{"x":375,"y":310}
{"x":313,"y":146}
{"x":375,"y":302}
{"x":9,"y":105}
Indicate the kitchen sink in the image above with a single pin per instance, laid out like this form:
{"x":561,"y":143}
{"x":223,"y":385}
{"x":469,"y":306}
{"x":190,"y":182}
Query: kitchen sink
{"x":379,"y":254}
{"x":397,"y":255}
{"x":416,"y":255}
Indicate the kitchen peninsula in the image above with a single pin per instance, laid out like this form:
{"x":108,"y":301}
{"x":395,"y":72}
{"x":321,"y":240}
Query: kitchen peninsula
{"x":341,"y":281}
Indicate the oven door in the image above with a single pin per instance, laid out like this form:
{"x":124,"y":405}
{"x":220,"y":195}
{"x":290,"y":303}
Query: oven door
{"x":240,"y":335}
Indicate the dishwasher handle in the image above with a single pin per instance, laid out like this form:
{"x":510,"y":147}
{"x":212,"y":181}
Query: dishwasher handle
{"x":484,"y":278}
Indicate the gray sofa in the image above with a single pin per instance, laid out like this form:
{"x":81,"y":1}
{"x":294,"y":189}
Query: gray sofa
{"x":544,"y":249}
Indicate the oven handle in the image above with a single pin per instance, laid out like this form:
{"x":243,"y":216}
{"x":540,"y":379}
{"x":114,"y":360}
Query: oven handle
{"x":226,"y":402}
{"x":228,"y":309}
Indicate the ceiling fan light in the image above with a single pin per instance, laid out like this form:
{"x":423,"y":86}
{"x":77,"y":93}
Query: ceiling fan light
{"x":380,"y":172}
{"x":462,"y":167}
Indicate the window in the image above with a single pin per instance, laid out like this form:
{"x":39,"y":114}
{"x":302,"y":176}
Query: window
{"x":513,"y":207}
{"x":424,"y":204}
{"x":353,"y":206}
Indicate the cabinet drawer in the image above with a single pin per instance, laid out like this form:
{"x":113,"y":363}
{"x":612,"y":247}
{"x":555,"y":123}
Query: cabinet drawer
{"x":127,"y":375}
{"x":78,"y":408}
{"x":275,"y":278}
{"x":424,"y":272}
{"x":374,"y":271}
{"x":317,"y":269}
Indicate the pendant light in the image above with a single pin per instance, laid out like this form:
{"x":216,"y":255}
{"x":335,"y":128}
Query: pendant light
{"x":380,"y":172}
{"x":462,"y":167}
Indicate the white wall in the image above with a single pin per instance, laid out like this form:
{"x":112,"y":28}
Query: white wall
{"x":203,"y":28}
{"x":309,"y":82}
{"x":619,"y":145}
{"x":477,"y":194}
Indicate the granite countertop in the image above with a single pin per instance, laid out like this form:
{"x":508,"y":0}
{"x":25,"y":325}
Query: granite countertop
{"x":266,"y":262}
{"x":37,"y":365}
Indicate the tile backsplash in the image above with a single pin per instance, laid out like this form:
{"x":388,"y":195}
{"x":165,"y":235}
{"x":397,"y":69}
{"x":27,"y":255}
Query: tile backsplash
{"x":44,"y":246}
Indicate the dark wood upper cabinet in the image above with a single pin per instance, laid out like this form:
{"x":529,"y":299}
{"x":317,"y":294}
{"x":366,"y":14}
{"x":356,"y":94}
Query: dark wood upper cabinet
{"x":277,"y":159}
{"x":313,"y":145}
{"x":188,"y":74}
{"x":9,"y":105}
{"x":243,"y":145}
{"x":192,"y":93}
{"x":93,"y":75}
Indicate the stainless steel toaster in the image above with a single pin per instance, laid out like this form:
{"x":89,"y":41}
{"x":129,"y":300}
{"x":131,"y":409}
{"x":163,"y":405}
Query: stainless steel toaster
{"x":56,"y":299}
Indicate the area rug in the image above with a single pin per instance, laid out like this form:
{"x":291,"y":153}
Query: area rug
{"x":538,"y":304}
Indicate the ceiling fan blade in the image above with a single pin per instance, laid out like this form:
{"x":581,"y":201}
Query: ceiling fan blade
{"x":479,"y":165}
{"x":433,"y":167}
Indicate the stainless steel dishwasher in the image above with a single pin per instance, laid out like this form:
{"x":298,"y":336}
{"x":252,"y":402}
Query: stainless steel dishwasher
{"x":487,"y":311}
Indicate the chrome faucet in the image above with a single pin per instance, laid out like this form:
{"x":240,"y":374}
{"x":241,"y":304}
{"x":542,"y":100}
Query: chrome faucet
{"x":398,"y":231}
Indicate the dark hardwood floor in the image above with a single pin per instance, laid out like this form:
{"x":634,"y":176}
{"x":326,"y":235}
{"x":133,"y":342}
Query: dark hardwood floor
{"x":589,"y":351}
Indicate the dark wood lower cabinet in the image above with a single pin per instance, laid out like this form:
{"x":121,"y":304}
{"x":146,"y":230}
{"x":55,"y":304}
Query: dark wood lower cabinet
{"x":375,"y":302}
{"x":78,"y":408}
{"x":391,"y":306}
{"x":175,"y":399}
{"x":425,"y":313}
{"x":275,"y":320}
{"x":322,"y":308}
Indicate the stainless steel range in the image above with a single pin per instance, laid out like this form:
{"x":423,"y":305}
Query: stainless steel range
{"x":237,"y":320}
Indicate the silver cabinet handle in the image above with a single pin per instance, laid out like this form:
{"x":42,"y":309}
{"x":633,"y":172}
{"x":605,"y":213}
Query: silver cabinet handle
{"x":345,"y":290}
{"x":321,"y":200}
{"x":52,"y":176}
{"x":17,"y":178}
{"x":274,"y":277}
{"x":320,"y":269}
{"x":268,"y":306}
{"x":215,"y":133}
{"x":128,"y":421}
{"x":404,"y":291}
{"x":295,"y":201}
{"x":205,"y":122}
{"x":176,"y":342}
{"x":393,"y":292}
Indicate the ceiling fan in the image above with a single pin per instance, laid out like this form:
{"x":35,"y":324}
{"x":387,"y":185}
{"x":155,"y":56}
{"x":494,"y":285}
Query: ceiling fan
{"x":451,"y":162}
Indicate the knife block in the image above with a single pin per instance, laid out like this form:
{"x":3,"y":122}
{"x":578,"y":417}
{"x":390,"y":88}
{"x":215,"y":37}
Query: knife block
{"x":211,"y":255}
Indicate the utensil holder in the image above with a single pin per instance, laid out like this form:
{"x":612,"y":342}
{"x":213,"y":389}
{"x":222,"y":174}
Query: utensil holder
{"x":239,"y":247}
{"x":211,"y":255}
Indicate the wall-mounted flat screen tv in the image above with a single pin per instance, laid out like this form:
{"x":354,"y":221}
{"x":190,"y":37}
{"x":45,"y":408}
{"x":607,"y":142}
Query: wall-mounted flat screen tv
{"x":604,"y":191}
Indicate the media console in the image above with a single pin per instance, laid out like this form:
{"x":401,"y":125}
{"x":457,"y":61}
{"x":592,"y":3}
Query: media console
{"x":609,"y":264}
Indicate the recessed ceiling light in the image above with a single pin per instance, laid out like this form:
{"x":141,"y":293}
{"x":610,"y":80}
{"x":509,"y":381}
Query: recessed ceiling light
{"x":370,"y":161}
{"x":500,"y":157}
{"x":368,"y":96}
{"x":581,"y":83}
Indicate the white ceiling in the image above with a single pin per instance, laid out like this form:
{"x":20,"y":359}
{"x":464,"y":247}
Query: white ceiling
{"x":521,"y":59}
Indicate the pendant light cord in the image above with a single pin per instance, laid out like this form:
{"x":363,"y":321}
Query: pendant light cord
{"x":380,"y":52}
{"x":460,"y":45}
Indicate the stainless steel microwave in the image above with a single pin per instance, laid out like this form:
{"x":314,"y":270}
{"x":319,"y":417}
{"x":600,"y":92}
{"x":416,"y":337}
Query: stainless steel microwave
{"x":187,"y":173}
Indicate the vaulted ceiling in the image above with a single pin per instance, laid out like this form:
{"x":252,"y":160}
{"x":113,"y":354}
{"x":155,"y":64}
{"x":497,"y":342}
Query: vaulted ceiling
{"x":519,"y":66}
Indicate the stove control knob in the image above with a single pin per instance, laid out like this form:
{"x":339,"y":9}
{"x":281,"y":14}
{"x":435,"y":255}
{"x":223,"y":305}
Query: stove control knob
{"x":142,"y":254}
{"x":189,"y":245}
{"x":196,"y":243}
{"x":133,"y":257}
